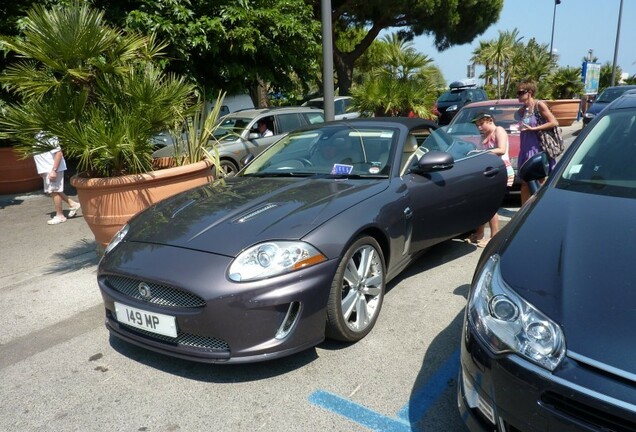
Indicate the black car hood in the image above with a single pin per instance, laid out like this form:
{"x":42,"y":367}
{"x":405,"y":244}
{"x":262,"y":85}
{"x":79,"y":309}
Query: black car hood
{"x":572,"y":257}
{"x":232,"y":214}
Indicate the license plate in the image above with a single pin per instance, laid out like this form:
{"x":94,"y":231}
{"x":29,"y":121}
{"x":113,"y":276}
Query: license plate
{"x":150,"y":321}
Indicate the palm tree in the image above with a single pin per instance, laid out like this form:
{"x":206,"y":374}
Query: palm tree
{"x":499,"y":53}
{"x":481,"y":57}
{"x":401,"y":81}
{"x":97,"y":89}
{"x":566,"y":83}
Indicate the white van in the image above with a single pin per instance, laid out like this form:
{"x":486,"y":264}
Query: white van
{"x":341,"y":107}
{"x":232,"y":103}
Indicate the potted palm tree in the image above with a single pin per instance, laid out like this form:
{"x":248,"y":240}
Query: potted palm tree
{"x":102,"y":93}
{"x":566,"y":87}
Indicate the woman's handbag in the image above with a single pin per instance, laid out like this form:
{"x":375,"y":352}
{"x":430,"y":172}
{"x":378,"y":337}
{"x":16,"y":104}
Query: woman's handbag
{"x":551,"y":140}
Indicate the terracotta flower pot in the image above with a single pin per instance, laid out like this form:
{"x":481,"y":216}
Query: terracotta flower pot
{"x":17,"y":175}
{"x":108,"y":203}
{"x":565,"y":110}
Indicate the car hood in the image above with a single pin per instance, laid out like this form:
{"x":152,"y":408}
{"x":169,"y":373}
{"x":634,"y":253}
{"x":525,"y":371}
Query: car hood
{"x":231,"y":214}
{"x":572,"y":257}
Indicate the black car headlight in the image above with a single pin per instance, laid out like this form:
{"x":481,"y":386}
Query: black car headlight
{"x":509,"y":324}
{"x":272,"y":259}
{"x":117,"y":238}
{"x":452,"y":108}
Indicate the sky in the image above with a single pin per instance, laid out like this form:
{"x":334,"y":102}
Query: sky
{"x":579,"y":25}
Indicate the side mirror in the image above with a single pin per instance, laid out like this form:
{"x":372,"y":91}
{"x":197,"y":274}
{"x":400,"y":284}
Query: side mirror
{"x":434,"y":161}
{"x":534,"y":169}
{"x":247,"y":159}
{"x":253,"y":135}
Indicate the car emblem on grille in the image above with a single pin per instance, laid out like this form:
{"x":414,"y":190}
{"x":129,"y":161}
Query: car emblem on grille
{"x":144,"y":290}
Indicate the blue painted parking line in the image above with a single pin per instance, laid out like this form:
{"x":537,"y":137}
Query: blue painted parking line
{"x":420,"y":402}
{"x":358,"y":413}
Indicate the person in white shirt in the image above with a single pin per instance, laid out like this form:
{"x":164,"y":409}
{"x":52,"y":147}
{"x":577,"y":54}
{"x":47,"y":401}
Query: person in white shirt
{"x":263,"y":129}
{"x":51,"y":166}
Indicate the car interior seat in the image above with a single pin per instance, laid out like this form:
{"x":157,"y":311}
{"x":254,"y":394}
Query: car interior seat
{"x":409,"y":152}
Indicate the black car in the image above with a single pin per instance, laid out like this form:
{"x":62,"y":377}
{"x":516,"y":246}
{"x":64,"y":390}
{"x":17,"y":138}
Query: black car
{"x":603,"y":99}
{"x":460,"y":94}
{"x":548,"y":340}
{"x":299,"y":245}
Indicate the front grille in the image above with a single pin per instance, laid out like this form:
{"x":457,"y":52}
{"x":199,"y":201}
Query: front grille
{"x":160,"y":295}
{"x":201,"y":343}
{"x":599,"y":420}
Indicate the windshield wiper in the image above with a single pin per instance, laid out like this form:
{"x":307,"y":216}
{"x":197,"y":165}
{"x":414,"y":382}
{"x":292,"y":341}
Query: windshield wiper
{"x":279,"y":174}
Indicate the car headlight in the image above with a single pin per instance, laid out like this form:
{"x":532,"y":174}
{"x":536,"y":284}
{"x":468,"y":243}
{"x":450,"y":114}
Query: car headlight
{"x":117,"y":238}
{"x":452,"y":108}
{"x":508,"y":323}
{"x":273,"y":258}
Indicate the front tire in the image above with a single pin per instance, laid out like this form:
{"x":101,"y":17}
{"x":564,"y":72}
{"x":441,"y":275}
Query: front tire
{"x":357,"y":291}
{"x":229,"y":168}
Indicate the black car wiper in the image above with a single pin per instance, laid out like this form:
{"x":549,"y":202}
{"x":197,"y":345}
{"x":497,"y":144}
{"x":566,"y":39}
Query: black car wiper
{"x":279,"y":174}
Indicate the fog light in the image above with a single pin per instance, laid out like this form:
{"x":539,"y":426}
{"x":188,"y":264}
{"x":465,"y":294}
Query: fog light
{"x":475,"y":401}
{"x":293,"y":313}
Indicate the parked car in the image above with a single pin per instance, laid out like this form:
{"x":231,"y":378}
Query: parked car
{"x":460,"y":94}
{"x":290,"y":250}
{"x":238,"y":132}
{"x":547,"y":342}
{"x":504,"y":112}
{"x":603,"y":99}
{"x":342,"y":106}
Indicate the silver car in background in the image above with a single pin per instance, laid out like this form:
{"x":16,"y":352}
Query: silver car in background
{"x":238,"y":136}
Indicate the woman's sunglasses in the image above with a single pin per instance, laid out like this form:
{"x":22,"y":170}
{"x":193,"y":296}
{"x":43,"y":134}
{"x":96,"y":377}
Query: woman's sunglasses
{"x":522,"y":92}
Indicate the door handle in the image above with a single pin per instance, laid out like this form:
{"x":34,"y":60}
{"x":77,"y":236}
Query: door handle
{"x":491,"y":172}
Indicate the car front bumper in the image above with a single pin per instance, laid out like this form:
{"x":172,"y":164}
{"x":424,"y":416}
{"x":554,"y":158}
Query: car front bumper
{"x":506,"y":393}
{"x":228,"y":321}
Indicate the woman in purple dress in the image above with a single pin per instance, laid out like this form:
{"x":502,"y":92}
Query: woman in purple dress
{"x":534,"y":115}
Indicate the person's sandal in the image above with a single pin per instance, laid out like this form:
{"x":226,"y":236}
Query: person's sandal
{"x":482,"y":243}
{"x":56,"y":220}
{"x":472,"y":239}
{"x":73,"y":211}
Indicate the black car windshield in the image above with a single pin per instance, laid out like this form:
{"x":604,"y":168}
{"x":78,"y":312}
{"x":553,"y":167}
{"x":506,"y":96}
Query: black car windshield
{"x":610,"y":94}
{"x":603,"y":162}
{"x":450,"y":97}
{"x":334,"y":150}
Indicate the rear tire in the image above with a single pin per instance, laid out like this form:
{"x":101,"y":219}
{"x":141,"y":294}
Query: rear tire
{"x":357,"y":291}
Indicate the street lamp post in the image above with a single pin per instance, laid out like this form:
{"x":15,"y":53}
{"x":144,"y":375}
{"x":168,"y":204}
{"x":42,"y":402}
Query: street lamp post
{"x":556,"y":2}
{"x":327,"y":61}
{"x":618,"y":34}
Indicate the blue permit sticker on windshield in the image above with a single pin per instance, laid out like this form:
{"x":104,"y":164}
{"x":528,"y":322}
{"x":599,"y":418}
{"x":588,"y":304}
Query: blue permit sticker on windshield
{"x":341,"y":169}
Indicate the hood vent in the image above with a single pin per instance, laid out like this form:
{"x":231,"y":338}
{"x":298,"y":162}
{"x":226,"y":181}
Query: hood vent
{"x":252,"y":214}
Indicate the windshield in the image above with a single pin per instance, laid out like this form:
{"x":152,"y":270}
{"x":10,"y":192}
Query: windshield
{"x":315,"y":104}
{"x":603,"y":163}
{"x":230,"y":127}
{"x":504,"y":116}
{"x":450,"y":97}
{"x":335,"y":150}
{"x":610,"y":94}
